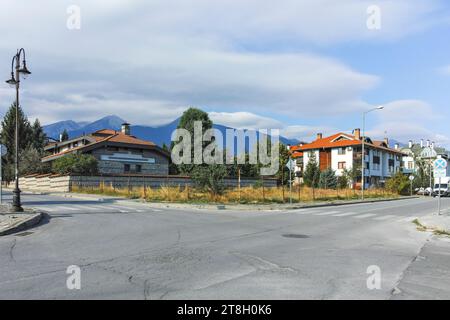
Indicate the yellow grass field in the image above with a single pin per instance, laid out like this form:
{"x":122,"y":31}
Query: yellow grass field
{"x":247,"y":195}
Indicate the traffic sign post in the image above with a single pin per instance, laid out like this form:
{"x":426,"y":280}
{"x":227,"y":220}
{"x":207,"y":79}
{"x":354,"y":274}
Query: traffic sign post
{"x":291,"y":166}
{"x":440,"y":171}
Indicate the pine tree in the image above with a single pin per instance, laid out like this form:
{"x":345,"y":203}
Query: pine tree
{"x":312,"y":172}
{"x":328,"y":179}
{"x":38,"y":137}
{"x":9,"y":130}
{"x":64,"y":135}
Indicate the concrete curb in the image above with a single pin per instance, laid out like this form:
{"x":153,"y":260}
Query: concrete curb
{"x":434,"y":222}
{"x":23,"y":225}
{"x":242,"y":207}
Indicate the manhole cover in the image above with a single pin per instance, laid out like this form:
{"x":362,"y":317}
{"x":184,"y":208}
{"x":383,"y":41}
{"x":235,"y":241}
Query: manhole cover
{"x":24,"y":234}
{"x":295,"y":236}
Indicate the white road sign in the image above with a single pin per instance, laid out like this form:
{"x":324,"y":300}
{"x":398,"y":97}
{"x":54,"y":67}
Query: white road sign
{"x":440,"y":168}
{"x":291,"y":165}
{"x":411,"y":178}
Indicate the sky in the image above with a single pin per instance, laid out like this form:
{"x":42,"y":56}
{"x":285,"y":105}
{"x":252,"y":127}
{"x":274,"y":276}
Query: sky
{"x":300,"y":66}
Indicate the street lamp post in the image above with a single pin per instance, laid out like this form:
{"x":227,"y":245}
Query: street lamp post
{"x":363,"y":162}
{"x":19,"y":69}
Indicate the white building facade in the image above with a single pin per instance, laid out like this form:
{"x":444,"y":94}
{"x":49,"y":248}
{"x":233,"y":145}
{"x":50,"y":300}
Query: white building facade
{"x":342,"y":151}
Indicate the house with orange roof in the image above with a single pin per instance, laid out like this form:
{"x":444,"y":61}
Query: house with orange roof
{"x":343,"y":151}
{"x":117,"y":152}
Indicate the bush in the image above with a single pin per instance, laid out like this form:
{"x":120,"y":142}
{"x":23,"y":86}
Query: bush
{"x":399,"y":184}
{"x":76,"y":164}
{"x":210,"y":177}
{"x":328,"y":179}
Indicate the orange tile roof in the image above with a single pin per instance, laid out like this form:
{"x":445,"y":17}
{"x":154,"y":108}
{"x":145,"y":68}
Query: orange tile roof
{"x":347,"y":141}
{"x":115,"y":136}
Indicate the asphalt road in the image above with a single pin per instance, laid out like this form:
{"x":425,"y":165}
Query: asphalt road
{"x":128,"y":250}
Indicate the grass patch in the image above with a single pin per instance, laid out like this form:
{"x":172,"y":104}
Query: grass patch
{"x":437,"y":232}
{"x":245,"y":195}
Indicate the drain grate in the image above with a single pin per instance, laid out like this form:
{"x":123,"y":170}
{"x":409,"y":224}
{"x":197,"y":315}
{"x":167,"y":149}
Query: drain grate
{"x":24,"y":234}
{"x":295,"y":236}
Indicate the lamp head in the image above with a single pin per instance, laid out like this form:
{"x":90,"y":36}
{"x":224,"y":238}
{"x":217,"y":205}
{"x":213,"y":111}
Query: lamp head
{"x":24,"y":70}
{"x":12,"y":81}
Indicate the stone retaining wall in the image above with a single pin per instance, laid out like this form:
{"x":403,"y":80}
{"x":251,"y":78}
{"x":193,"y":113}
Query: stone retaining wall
{"x":57,"y":183}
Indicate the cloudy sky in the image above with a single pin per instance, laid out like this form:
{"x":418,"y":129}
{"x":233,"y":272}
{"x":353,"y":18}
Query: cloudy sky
{"x":304,"y":66}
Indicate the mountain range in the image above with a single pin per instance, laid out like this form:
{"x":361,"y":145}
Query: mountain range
{"x":159,"y":135}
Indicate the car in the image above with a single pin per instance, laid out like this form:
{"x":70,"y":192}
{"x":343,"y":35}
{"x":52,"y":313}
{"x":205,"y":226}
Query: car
{"x":423,"y":191}
{"x":441,"y":190}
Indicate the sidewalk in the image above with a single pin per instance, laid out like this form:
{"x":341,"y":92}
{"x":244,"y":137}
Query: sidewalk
{"x":437,"y":223}
{"x":16,"y":222}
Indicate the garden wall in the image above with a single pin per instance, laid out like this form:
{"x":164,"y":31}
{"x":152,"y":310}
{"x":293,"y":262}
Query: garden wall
{"x":57,"y":183}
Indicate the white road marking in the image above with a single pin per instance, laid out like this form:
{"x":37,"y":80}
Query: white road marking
{"x":345,"y":214}
{"x":386,"y":217}
{"x":326,"y":213}
{"x":363,"y":216}
{"x":407,"y":219}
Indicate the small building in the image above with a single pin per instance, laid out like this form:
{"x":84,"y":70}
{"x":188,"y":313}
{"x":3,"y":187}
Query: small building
{"x":343,"y":151}
{"x":117,"y":152}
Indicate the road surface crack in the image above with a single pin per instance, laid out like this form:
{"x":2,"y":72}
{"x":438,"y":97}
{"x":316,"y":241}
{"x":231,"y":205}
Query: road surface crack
{"x":11,"y":250}
{"x":396,"y":290}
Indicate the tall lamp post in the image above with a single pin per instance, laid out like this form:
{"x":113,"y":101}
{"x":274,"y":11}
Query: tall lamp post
{"x":363,"y":162}
{"x":19,"y":67}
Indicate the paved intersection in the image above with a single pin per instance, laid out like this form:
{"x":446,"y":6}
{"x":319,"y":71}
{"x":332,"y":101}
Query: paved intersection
{"x":140,"y":251}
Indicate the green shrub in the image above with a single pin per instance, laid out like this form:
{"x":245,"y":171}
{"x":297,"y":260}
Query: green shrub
{"x":76,"y":164}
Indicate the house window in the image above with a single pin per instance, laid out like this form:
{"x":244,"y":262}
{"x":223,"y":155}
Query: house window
{"x":341,"y":151}
{"x":341,"y":165}
{"x":126,"y":167}
{"x":376,"y":159}
{"x":138,"y":168}
{"x":410,"y":165}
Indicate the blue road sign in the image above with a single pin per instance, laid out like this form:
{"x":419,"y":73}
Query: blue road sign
{"x":440,"y":164}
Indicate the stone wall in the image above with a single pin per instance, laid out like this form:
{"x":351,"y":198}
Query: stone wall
{"x":57,"y":183}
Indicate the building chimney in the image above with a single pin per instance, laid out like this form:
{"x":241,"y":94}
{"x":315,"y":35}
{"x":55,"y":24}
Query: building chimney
{"x":428,"y":143}
{"x":357,"y":133}
{"x":60,"y":137}
{"x":319,"y":136}
{"x":397,"y":146}
{"x":421,"y":143}
{"x":126,"y":128}
{"x":433,"y":145}
{"x":410,"y":144}
{"x":386,"y":140}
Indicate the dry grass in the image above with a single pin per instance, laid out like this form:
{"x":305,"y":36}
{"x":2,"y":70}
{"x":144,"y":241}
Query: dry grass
{"x":247,"y":195}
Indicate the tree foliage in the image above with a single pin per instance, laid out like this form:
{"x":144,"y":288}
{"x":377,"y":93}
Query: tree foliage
{"x":328,"y":179}
{"x":187,"y":121}
{"x":30,"y":162}
{"x":32,"y":140}
{"x":399,"y":183}
{"x":210,"y":177}
{"x":312,"y":172}
{"x":64,"y":135}
{"x":82,"y":164}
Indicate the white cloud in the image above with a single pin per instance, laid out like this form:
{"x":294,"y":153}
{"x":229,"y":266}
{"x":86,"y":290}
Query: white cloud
{"x":244,"y":120}
{"x":406,"y":120}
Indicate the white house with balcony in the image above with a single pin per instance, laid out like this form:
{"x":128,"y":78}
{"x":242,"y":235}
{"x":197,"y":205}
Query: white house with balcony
{"x":343,"y":151}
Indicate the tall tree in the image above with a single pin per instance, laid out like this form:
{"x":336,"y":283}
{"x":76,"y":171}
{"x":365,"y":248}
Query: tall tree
{"x":9,"y":130}
{"x":312,"y":172}
{"x":38,"y":137}
{"x":187,"y":121}
{"x":64,"y":135}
